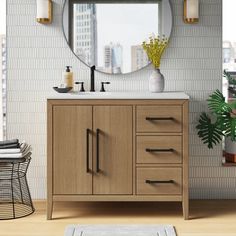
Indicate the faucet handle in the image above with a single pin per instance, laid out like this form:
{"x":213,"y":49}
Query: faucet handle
{"x":102,"y":86}
{"x":81,"y":87}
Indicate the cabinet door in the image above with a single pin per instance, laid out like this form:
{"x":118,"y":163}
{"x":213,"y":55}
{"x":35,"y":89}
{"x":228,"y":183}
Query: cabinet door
{"x":112,"y":150}
{"x":72,"y":149}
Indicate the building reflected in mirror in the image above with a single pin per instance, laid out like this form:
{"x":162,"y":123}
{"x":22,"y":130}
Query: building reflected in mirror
{"x":139,"y":58}
{"x":113,"y":58}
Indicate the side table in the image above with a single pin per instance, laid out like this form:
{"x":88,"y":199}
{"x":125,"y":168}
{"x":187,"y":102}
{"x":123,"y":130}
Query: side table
{"x":15,"y":199}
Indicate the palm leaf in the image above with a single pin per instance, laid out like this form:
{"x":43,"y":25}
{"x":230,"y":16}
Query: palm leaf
{"x":232,"y":105}
{"x":229,"y":123}
{"x":217,"y":104}
{"x":209,"y":132}
{"x":228,"y":76}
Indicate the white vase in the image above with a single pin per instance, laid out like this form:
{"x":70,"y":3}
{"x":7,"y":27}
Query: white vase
{"x":156,"y":82}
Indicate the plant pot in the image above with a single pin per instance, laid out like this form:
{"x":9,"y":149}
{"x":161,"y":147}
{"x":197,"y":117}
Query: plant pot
{"x":156,"y":82}
{"x":229,"y":157}
{"x":230,"y":150}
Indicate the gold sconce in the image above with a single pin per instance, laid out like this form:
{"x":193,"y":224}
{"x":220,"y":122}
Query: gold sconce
{"x":191,"y":11}
{"x":44,"y":11}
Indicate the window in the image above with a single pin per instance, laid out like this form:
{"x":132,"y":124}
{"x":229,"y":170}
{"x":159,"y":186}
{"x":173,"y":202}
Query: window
{"x":229,"y":35}
{"x":2,"y":70}
{"x":229,"y":42}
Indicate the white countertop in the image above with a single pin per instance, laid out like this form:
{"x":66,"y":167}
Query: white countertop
{"x":119,"y":95}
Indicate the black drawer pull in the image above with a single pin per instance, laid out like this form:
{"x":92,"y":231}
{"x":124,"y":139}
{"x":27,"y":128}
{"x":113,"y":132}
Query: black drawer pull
{"x":87,"y":150}
{"x":97,"y":146}
{"x":159,"y":118}
{"x":159,"y":150}
{"x":159,"y":181}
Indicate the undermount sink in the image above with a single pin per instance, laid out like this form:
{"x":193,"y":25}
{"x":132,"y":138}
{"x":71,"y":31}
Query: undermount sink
{"x":90,"y":93}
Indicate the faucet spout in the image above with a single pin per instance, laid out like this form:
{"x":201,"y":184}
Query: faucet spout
{"x":92,"y":79}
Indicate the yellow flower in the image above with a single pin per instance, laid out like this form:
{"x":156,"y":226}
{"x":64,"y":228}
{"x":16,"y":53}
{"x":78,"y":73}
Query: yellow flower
{"x":155,"y":48}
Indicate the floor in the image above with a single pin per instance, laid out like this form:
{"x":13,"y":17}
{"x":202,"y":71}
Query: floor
{"x":208,"y":218}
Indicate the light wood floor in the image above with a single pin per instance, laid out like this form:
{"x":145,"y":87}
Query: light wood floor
{"x":208,"y":218}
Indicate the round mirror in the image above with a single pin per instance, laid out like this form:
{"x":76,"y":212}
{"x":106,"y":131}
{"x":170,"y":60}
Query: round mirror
{"x":109,"y":35}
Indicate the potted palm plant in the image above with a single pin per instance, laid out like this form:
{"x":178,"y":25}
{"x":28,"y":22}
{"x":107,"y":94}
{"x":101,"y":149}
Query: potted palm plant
{"x":219,"y":123}
{"x":154,"y":48}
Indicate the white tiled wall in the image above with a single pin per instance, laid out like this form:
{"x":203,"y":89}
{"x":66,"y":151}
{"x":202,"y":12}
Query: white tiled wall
{"x":37,"y":55}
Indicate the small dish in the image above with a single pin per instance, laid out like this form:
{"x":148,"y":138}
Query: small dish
{"x":62,"y":90}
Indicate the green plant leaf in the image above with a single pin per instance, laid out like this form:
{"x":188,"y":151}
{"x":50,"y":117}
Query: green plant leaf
{"x":229,"y":124}
{"x":217,"y":104}
{"x":232,"y":105}
{"x":210,"y":133}
{"x":228,"y":76}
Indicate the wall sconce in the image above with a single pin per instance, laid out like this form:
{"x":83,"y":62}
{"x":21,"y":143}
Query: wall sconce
{"x":44,"y":11}
{"x":191,"y":11}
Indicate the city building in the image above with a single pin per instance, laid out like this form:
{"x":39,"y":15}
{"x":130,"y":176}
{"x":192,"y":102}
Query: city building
{"x":139,"y":58}
{"x":113,"y":58}
{"x":229,"y":55}
{"x":3,"y":86}
{"x":227,"y":51}
{"x":85,"y":33}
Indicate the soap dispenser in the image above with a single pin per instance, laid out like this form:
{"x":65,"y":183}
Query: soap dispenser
{"x":68,"y":77}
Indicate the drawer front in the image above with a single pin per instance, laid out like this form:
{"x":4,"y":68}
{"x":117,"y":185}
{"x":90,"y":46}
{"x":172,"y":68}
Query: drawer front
{"x":159,"y":149}
{"x":160,"y":180}
{"x":159,"y":119}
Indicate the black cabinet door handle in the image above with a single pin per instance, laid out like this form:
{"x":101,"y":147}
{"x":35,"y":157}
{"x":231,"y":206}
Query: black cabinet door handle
{"x":159,"y":181}
{"x":159,"y":150}
{"x":87,"y":150}
{"x":97,"y":137}
{"x":159,"y":118}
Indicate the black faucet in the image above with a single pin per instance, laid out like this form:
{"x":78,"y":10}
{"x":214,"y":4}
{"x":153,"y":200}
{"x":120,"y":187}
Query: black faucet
{"x":102,"y":86}
{"x":92,"y":81}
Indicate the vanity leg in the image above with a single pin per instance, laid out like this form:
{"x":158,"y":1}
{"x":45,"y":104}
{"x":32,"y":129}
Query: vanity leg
{"x":49,"y":208}
{"x":185,"y":205}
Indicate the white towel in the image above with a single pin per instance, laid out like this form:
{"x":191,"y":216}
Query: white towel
{"x":10,"y":150}
{"x":11,"y":155}
{"x":24,"y":150}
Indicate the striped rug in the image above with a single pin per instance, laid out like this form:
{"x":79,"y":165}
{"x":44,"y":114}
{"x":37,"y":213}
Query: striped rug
{"x":120,"y":230}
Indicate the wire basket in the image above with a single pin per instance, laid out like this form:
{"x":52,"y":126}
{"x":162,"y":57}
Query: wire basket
{"x":15,"y":199}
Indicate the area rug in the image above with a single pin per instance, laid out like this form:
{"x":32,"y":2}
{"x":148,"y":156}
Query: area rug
{"x":120,"y":230}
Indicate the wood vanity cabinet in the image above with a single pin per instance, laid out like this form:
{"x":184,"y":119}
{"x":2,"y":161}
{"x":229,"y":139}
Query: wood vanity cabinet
{"x":117,"y":150}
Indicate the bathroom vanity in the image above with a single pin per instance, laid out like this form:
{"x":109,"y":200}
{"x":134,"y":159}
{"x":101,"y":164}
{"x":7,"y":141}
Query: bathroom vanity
{"x":117,"y":147}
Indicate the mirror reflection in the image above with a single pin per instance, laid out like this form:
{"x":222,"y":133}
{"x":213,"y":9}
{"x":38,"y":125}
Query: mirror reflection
{"x":110,"y":35}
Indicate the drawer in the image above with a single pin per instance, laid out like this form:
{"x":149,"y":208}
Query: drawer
{"x":159,"y":149}
{"x":159,"y":119}
{"x":159,"y":180}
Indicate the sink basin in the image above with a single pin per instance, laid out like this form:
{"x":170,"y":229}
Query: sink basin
{"x":91,"y":93}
